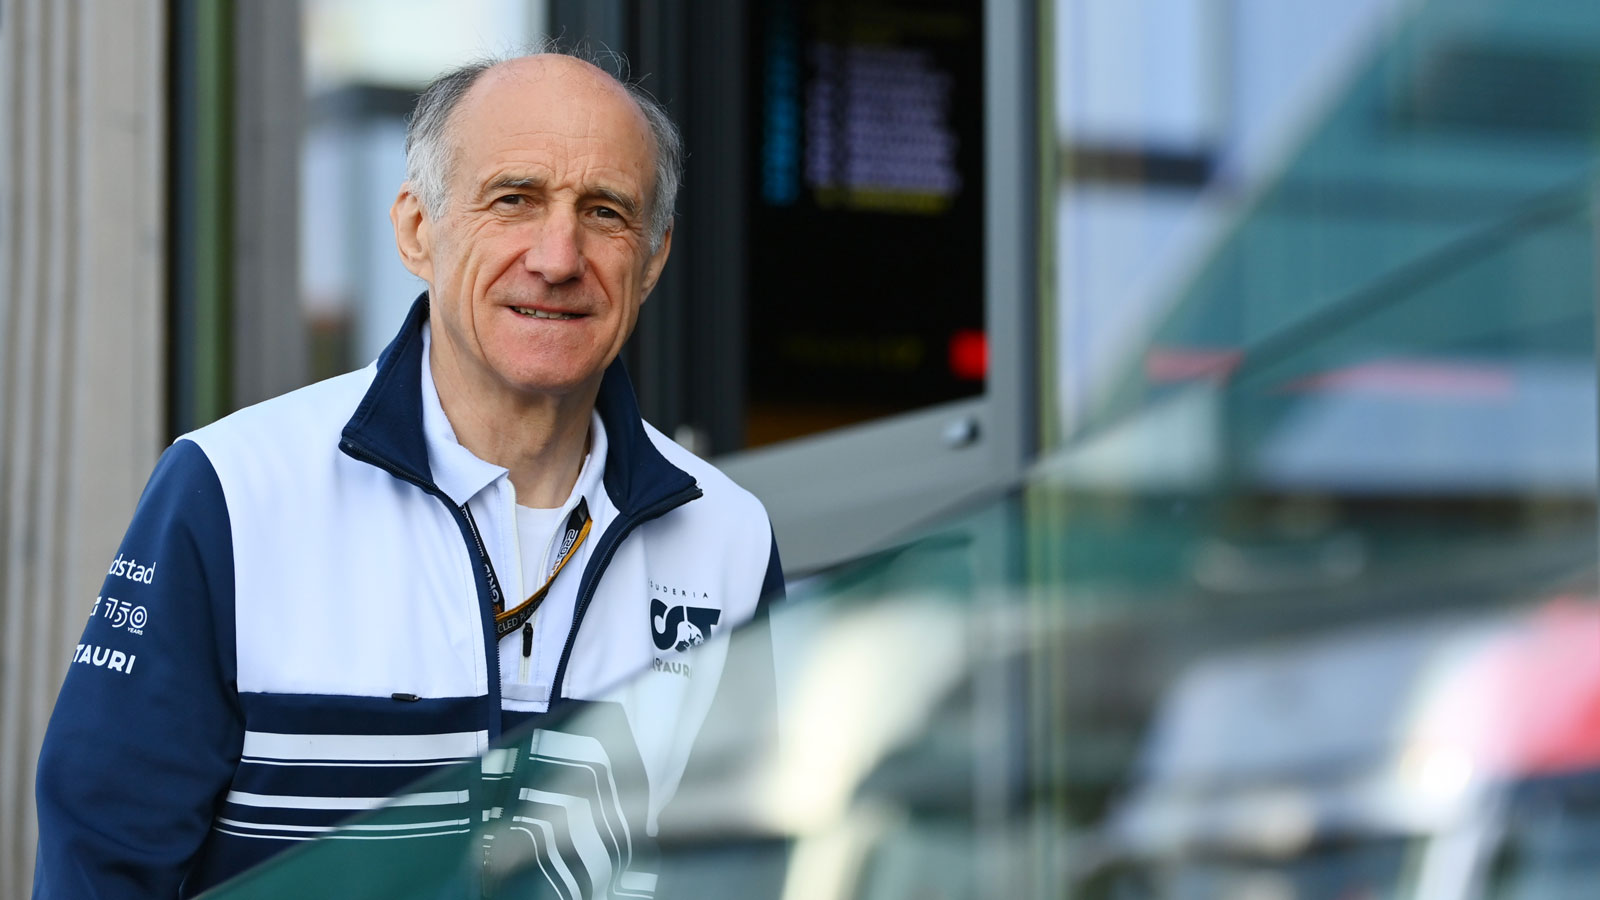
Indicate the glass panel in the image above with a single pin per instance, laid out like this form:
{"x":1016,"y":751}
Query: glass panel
{"x":1306,"y":608}
{"x":1412,"y":167}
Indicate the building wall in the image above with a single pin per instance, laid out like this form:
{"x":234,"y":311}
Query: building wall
{"x":82,"y":342}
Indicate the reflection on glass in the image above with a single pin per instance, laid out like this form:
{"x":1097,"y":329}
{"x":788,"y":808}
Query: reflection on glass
{"x":1307,"y":607}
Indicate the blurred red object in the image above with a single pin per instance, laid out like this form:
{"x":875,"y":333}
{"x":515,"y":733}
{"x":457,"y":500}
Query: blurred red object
{"x":1525,"y":702}
{"x":969,"y":355}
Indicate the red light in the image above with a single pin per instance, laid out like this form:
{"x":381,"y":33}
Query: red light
{"x":969,"y":355}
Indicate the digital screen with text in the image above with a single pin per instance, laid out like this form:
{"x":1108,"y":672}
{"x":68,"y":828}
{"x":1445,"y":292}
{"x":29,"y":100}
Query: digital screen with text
{"x":865,"y":287}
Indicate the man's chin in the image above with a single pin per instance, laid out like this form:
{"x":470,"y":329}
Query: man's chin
{"x":555,"y":385}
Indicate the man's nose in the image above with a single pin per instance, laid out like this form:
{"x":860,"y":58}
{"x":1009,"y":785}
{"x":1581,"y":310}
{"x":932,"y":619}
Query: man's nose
{"x":556,"y":250}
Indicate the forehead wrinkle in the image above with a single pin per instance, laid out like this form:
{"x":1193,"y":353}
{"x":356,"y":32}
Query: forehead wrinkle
{"x":587,"y":187}
{"x":589,"y":172}
{"x":515,"y":181}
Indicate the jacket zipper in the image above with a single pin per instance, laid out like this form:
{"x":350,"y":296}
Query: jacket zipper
{"x":597,"y":567}
{"x":362,"y":454}
{"x":613,"y":540}
{"x":497,"y":599}
{"x":602,"y":561}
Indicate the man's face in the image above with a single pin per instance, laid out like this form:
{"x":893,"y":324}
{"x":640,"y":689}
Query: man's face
{"x":540,"y":259}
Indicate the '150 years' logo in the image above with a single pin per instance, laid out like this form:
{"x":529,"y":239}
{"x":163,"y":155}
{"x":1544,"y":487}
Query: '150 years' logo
{"x":681,"y":627}
{"x":121,"y":613}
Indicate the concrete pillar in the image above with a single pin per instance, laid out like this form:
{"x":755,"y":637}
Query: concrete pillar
{"x":82,"y":342}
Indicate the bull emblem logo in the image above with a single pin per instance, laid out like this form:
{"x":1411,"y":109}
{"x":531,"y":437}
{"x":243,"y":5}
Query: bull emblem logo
{"x":681,"y":627}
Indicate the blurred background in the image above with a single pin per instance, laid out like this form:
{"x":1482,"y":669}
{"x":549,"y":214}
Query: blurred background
{"x":1178,"y":416}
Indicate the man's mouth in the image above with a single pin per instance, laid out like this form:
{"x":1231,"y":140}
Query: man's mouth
{"x":541,"y":314}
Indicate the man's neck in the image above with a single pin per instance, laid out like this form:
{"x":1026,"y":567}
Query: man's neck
{"x":541,"y":439}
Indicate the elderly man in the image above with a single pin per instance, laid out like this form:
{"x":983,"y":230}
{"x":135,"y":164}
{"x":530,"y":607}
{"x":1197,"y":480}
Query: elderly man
{"x":330,"y":594}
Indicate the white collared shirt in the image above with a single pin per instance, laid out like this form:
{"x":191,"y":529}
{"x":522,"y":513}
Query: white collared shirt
{"x":521,"y":560}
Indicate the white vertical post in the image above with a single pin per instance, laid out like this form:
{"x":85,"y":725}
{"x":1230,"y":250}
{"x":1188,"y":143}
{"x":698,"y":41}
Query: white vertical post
{"x":82,"y":342}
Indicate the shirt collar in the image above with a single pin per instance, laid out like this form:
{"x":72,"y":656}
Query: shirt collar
{"x":386,"y":430}
{"x":460,"y":473}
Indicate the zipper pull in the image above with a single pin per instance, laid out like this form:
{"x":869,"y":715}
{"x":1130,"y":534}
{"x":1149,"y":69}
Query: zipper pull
{"x":527,"y":649}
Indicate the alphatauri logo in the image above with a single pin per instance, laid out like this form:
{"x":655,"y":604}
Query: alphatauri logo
{"x":681,"y":627}
{"x":104,"y":658}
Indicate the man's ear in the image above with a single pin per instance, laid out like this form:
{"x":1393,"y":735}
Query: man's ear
{"x":411,"y":234}
{"x":652,"y":269}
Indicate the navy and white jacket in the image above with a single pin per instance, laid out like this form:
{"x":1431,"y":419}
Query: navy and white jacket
{"x":298,"y":624}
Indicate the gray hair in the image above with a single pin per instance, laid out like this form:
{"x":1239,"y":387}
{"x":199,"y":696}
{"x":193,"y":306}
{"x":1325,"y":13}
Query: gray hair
{"x":430,"y":154}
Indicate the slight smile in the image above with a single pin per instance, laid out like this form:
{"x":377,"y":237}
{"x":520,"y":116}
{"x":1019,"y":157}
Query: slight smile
{"x":541,"y":314}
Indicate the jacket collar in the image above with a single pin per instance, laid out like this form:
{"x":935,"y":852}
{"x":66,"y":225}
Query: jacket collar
{"x":389,"y":426}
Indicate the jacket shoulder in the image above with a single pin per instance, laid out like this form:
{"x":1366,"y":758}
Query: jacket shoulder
{"x":722,"y":492}
{"x":307,"y":420}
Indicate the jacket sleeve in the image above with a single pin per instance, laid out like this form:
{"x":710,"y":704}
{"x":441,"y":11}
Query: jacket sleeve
{"x":734,"y":753}
{"x":746,"y":702}
{"x":773,"y":588}
{"x":147,"y":731}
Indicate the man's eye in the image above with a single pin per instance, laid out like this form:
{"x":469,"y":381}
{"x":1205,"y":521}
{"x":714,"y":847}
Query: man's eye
{"x":509,"y":200}
{"x":606,"y":212}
